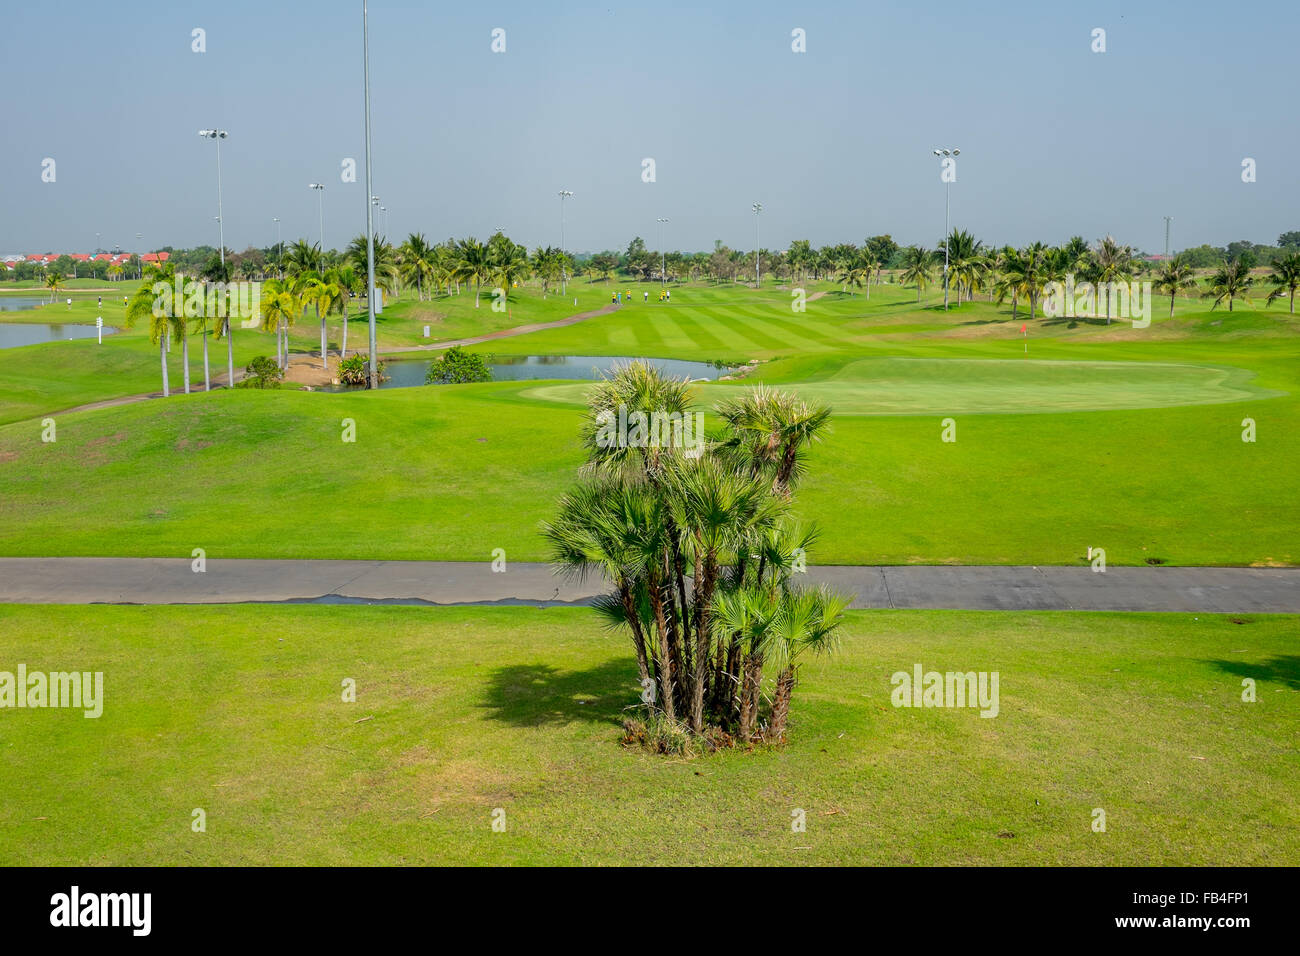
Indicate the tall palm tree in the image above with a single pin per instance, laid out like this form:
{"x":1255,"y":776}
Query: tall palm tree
{"x":53,"y":281}
{"x":1109,"y":262}
{"x":1285,"y":278}
{"x":415,"y":261}
{"x":770,"y":432}
{"x":344,"y":284}
{"x":473,"y":264}
{"x":163,"y":322}
{"x":302,"y":256}
{"x":509,"y":265}
{"x":1175,"y":276}
{"x":1230,"y":281}
{"x":280,"y":309}
{"x":918,"y":268}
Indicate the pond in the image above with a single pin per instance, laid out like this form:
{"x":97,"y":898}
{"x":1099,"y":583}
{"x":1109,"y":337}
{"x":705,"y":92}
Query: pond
{"x":14,"y":334}
{"x":16,"y":303}
{"x":404,"y":373}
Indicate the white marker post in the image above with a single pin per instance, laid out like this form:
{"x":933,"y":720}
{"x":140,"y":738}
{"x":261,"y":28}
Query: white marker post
{"x":426,"y":331}
{"x":99,"y":327}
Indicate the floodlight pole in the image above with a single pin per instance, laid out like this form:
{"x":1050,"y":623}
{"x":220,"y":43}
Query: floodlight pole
{"x":758,"y":282}
{"x":1168,"y":220}
{"x":219,"y":135}
{"x":663,"y":255}
{"x":564,"y":265}
{"x":370,"y":235}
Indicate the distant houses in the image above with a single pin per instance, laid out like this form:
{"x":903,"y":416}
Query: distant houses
{"x":41,"y":259}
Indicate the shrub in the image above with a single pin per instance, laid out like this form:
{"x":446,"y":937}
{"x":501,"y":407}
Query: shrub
{"x":262,"y":372}
{"x":456,"y":367}
{"x":356,"y":370}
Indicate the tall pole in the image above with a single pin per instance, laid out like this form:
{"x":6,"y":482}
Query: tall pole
{"x":944,"y":155}
{"x":564,"y":265}
{"x":758,"y":281}
{"x":946,"y":206}
{"x":1168,"y":219}
{"x":219,"y":135}
{"x":320,"y":197}
{"x":663,"y":255}
{"x":221,"y":239}
{"x":370,"y":235}
{"x":279,"y":249}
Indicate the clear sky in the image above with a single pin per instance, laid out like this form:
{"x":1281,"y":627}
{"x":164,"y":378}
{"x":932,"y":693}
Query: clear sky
{"x":836,"y":142}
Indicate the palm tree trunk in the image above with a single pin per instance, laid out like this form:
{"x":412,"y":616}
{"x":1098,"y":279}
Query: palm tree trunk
{"x":665,"y":657}
{"x":324,"y":362}
{"x":162,"y":357}
{"x":207,"y":373}
{"x":343,"y":352}
{"x":781,"y":704}
{"x":185,"y":358}
{"x":230,"y":355}
{"x":749,"y":695}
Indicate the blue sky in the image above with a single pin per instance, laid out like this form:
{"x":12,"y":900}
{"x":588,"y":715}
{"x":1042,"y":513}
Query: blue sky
{"x":836,"y":142}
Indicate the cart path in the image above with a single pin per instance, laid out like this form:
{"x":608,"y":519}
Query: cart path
{"x":1010,"y":588}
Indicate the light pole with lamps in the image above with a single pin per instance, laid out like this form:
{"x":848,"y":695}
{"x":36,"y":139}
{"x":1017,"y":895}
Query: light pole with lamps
{"x":370,"y":236}
{"x":758,"y":208}
{"x":947,"y":182}
{"x":1168,"y":220}
{"x":279,"y":248}
{"x":218,"y":135}
{"x":663,"y":257}
{"x":320,"y":202}
{"x":564,"y":265}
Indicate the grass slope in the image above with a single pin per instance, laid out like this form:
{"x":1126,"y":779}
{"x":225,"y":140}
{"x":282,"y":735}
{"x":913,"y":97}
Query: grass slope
{"x":237,"y":710}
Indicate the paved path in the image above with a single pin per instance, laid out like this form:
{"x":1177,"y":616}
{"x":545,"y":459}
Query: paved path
{"x":503,"y":333}
{"x":171,"y":581}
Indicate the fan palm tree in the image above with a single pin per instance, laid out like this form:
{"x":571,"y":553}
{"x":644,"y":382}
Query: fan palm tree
{"x":1285,"y":278}
{"x":1175,"y":276}
{"x":805,"y":622}
{"x":1230,"y":281}
{"x":770,"y":432}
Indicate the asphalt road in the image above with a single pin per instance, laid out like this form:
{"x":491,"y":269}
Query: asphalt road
{"x":227,"y":581}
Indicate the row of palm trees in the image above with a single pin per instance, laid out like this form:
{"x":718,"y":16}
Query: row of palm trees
{"x":701,"y":551}
{"x":1024,"y":274}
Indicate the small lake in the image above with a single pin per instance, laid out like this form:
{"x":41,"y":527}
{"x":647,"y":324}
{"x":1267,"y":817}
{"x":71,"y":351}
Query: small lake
{"x":404,"y":373}
{"x":14,"y":334}
{"x":16,"y":303}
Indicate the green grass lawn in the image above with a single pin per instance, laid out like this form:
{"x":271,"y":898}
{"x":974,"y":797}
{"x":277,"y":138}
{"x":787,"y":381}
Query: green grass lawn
{"x":1109,"y":437}
{"x":237,"y":710}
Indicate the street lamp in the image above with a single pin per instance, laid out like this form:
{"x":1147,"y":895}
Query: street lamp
{"x":320,"y":202}
{"x":374,"y":201}
{"x":758,"y":208}
{"x":663,"y":270}
{"x":947,"y":183}
{"x":219,"y":135}
{"x":564,"y":265}
{"x":279,"y":248}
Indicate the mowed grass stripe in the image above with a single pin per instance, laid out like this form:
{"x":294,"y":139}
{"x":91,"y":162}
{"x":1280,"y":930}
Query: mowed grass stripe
{"x":736,"y":321}
{"x":692,"y":328}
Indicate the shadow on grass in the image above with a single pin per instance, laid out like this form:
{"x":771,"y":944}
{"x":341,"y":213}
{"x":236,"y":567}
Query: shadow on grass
{"x":533,"y":695}
{"x":1283,"y":670}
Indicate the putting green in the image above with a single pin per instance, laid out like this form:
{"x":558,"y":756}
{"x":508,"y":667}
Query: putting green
{"x":919,"y":386}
